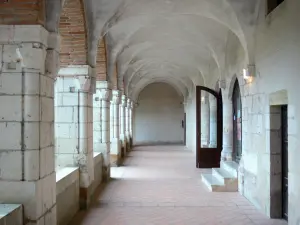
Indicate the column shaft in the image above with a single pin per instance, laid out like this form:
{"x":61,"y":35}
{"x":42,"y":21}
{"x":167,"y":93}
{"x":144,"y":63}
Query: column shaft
{"x":104,"y":93}
{"x":123,"y":125}
{"x":227,"y":131}
{"x":115,"y":152}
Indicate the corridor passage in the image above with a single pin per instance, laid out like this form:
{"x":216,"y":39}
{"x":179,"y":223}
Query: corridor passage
{"x":160,"y":185}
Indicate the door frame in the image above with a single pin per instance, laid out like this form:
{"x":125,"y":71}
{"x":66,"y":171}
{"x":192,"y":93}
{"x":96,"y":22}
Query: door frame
{"x":207,"y":157}
{"x":234,"y":129}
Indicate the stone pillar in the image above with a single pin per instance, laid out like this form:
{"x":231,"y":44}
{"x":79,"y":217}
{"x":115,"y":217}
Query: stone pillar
{"x":131,"y":123}
{"x":226,"y":154}
{"x":28,"y":66}
{"x":74,"y":125}
{"x":123,"y":106}
{"x":103,"y":91}
{"x":115,"y":150}
{"x":205,"y":121}
{"x":127,"y":124}
{"x":213,"y":115}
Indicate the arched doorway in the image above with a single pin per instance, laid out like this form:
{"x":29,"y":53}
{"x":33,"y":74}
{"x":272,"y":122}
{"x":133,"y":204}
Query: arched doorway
{"x":237,"y":122}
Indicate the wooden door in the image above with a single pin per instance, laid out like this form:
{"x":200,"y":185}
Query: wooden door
{"x":208,"y":145}
{"x":184,"y":127}
{"x":284,"y":157}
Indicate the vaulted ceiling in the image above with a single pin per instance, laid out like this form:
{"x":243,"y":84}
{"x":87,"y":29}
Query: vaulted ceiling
{"x":173,"y":41}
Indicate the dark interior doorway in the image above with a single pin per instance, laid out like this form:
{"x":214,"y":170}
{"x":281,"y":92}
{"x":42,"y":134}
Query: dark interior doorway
{"x":284,"y":158}
{"x":184,"y":127}
{"x":208,"y":153}
{"x":237,"y":122}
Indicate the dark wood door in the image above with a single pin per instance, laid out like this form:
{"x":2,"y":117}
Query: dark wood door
{"x":220,"y":122}
{"x":208,"y":152}
{"x":284,"y":130}
{"x":184,"y":127}
{"x":237,"y":122}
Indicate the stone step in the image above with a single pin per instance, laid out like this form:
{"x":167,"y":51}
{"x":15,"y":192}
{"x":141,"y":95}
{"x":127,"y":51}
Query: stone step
{"x":212,"y":183}
{"x":222,"y":175}
{"x":230,"y":167}
{"x":227,"y":179}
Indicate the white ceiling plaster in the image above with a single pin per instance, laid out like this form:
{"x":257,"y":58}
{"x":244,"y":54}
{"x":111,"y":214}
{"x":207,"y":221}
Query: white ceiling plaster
{"x":169,"y":40}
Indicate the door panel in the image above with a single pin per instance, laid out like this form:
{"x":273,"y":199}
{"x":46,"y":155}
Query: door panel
{"x":208,"y":128}
{"x":284,"y":127}
{"x":237,"y":122}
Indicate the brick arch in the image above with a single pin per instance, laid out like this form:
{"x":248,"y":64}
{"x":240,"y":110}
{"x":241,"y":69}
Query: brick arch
{"x":72,"y":28}
{"x":27,"y":12}
{"x":101,"y":62}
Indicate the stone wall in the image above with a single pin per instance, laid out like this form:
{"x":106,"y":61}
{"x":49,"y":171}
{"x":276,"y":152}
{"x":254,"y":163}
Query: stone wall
{"x":67,"y":194}
{"x":158,"y":116}
{"x":11,"y":214}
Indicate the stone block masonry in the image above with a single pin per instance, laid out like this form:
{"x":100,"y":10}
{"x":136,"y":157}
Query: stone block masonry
{"x":27,"y":174}
{"x":74,"y":125}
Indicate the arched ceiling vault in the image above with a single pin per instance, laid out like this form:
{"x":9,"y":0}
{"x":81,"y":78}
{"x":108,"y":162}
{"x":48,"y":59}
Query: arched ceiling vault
{"x":174,"y":40}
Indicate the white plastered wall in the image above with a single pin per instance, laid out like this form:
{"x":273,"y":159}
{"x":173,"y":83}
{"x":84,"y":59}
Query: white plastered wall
{"x":158,"y":116}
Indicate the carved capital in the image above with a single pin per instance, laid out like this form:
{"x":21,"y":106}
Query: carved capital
{"x":85,"y":83}
{"x":116,"y":96}
{"x":124,"y":100}
{"x":105,"y":94}
{"x":129,"y":103}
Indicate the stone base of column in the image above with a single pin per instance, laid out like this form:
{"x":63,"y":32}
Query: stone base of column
{"x":123,"y":149}
{"x":104,"y":148}
{"x":115,"y":160}
{"x":123,"y":146}
{"x":85,"y":197}
{"x":226,"y":156}
{"x":115,"y":153}
{"x":128,"y":145}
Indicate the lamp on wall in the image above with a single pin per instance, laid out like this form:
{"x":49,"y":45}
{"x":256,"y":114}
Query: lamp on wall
{"x":249,"y":73}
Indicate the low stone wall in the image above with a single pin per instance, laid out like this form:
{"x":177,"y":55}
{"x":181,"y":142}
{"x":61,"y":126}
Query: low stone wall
{"x":98,"y":161}
{"x":67,"y":194}
{"x":11,"y":214}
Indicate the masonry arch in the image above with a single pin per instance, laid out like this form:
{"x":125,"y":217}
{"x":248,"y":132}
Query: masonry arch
{"x":159,"y":114}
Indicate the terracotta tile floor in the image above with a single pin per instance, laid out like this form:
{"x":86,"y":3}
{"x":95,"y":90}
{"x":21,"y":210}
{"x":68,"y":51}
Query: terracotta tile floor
{"x":161,"y":186}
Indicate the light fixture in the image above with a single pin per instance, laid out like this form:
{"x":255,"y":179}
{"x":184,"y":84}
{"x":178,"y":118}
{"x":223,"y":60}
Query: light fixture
{"x":249,"y":73}
{"x":203,"y":99}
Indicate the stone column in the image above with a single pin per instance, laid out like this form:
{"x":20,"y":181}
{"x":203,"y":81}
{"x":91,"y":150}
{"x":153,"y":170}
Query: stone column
{"x":115,"y":150}
{"x":28,"y":66}
{"x":213,"y":115}
{"x":123,"y":106}
{"x":74,"y":125}
{"x":131,"y":123}
{"x":226,"y":154}
{"x":127,"y":124}
{"x":205,"y":121}
{"x":104,"y":93}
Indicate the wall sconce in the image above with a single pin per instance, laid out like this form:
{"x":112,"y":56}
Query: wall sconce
{"x":202,"y":99}
{"x":249,"y":73}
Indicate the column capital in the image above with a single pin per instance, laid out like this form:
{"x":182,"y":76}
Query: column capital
{"x":124,"y":100}
{"x":129,"y":103}
{"x":105,"y":94}
{"x":116,"y":96}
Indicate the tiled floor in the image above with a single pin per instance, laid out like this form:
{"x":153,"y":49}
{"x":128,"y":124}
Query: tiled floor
{"x":161,"y":186}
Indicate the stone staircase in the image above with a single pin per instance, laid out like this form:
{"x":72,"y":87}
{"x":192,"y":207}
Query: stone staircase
{"x":224,"y":179}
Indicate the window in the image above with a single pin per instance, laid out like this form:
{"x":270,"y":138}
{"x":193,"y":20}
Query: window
{"x":272,"y":4}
